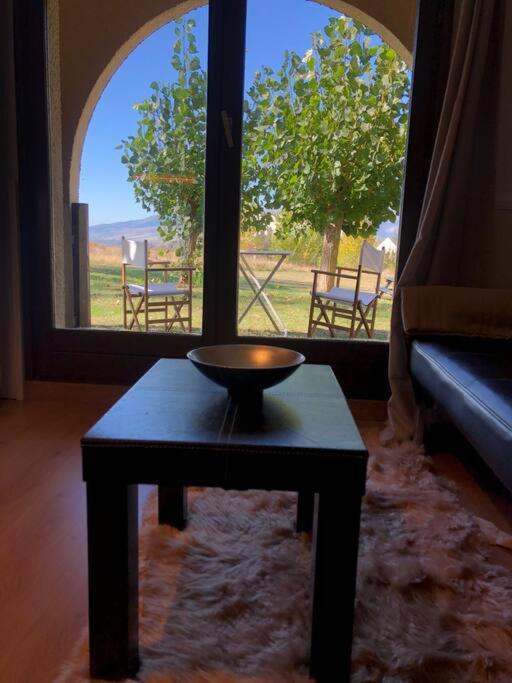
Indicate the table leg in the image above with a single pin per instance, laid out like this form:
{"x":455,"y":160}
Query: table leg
{"x":305,"y":510}
{"x":112,"y":529}
{"x":335,"y":546}
{"x":259,"y":293}
{"x":172,"y":506}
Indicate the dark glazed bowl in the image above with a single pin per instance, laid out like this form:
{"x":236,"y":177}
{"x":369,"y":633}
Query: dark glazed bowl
{"x":246,"y":369}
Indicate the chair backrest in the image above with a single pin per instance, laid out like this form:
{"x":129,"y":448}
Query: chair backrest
{"x":371,"y":258}
{"x":134,"y":252}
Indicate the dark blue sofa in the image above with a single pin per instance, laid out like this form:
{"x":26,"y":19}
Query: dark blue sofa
{"x":471,"y":380}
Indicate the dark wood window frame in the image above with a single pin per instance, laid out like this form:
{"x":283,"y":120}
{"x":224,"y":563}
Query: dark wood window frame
{"x":120,"y":357}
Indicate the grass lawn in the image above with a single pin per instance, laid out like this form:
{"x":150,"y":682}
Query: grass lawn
{"x":289,"y":293}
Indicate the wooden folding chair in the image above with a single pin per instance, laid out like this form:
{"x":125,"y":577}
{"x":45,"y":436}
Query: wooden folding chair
{"x":356,"y":306}
{"x":142,"y":302}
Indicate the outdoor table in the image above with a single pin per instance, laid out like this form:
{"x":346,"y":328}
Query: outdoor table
{"x":175,"y":428}
{"x":258,"y":288}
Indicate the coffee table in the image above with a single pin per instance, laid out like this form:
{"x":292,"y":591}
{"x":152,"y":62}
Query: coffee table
{"x":174,"y":428}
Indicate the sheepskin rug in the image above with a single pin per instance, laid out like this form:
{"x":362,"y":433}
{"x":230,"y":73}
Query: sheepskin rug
{"x":226,"y":601}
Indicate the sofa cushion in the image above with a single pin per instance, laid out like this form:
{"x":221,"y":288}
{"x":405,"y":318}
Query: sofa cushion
{"x":471,"y":379}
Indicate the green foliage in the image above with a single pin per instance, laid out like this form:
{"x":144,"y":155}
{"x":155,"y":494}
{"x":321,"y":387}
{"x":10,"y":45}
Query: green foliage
{"x":350,"y":251}
{"x":390,"y":262}
{"x":324,"y":140}
{"x":305,"y":248}
{"x":325,"y":134}
{"x":170,"y":141}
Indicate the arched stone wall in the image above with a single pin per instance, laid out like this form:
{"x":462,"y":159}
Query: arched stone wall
{"x":96,"y":37}
{"x":104,"y":77}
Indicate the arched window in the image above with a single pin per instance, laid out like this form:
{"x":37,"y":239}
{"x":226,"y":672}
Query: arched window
{"x":141,"y":174}
{"x":84,"y":76}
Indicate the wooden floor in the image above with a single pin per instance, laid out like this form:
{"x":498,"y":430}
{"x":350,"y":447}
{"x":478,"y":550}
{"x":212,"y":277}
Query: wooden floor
{"x":42,"y":527}
{"x":42,"y":521}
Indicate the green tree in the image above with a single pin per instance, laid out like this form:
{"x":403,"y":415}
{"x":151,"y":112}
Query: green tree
{"x":325,"y":138}
{"x":324,"y":141}
{"x":165,"y":159}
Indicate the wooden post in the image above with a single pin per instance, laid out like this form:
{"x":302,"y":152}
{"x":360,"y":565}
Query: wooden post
{"x":80,"y":251}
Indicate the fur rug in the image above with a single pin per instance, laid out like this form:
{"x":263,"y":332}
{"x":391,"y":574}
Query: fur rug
{"x":226,"y":600}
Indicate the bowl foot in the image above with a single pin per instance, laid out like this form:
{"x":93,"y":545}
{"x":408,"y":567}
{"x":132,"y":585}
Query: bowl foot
{"x":247,"y":399}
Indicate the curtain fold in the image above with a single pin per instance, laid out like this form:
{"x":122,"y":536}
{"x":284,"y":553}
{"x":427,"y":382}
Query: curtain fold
{"x":454,"y":244}
{"x":11,"y":351}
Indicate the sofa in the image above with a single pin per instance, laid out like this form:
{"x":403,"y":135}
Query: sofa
{"x":471,"y":380}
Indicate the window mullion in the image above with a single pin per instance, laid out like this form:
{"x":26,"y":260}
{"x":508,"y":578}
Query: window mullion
{"x":223,"y":166}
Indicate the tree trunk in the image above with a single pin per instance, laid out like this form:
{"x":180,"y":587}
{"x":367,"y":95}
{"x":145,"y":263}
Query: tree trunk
{"x":189,"y":253}
{"x":329,"y":260}
{"x":191,"y":246}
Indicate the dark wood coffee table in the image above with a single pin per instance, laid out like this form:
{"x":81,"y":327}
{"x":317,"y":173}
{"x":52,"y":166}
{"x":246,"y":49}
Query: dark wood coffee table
{"x":175,"y":428}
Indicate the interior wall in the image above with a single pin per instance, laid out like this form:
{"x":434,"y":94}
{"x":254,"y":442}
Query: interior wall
{"x":393,"y":20}
{"x":61,"y":245}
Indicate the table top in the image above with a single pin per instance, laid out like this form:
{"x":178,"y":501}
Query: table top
{"x":264,"y":252}
{"x":175,"y":409}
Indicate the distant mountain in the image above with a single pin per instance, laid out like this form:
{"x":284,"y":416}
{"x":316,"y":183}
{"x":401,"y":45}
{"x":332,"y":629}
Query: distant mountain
{"x":147,"y":229}
{"x":111,"y":233}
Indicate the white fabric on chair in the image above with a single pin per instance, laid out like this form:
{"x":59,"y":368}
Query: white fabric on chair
{"x":134,"y":252}
{"x":371,"y":258}
{"x":347,"y":295}
{"x":157,"y":289}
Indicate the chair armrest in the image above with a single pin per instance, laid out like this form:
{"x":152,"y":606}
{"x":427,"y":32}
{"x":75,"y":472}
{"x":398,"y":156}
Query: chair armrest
{"x":154,"y":262}
{"x":323,"y":272}
{"x":357,"y":270}
{"x":173,"y":269}
{"x":338,"y":275}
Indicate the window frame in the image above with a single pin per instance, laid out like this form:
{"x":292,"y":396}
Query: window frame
{"x":90,"y":355}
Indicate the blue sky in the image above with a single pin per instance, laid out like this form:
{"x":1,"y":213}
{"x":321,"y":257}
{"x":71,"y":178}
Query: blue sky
{"x":272,"y":27}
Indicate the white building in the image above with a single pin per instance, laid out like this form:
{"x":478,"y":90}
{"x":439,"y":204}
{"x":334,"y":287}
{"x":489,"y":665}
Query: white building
{"x":388,"y":246}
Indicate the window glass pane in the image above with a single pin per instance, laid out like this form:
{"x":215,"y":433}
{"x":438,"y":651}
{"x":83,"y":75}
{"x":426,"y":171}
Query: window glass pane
{"x":136,"y":151}
{"x":324,"y":134}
